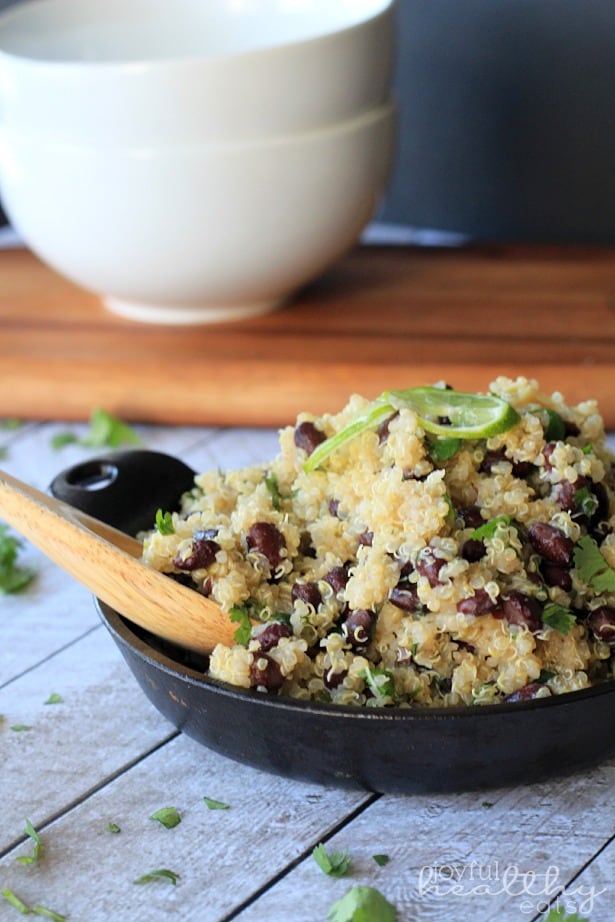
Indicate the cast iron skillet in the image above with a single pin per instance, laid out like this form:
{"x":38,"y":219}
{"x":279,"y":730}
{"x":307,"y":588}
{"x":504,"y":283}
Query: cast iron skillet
{"x":377,"y":749}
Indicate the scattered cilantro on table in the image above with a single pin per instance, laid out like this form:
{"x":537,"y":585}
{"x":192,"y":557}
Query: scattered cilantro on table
{"x":560,"y":915}
{"x":167,"y":816}
{"x":362,"y":904}
{"x":334,"y":863}
{"x":105,"y":431}
{"x":12,"y":576}
{"x":114,"y":828}
{"x":159,"y":874}
{"x":381,"y":860}
{"x":54,"y":698}
{"x":212,"y":804}
{"x":37,"y":846}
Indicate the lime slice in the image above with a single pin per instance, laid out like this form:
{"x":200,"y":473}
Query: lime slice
{"x":470,"y":416}
{"x":446,"y":413}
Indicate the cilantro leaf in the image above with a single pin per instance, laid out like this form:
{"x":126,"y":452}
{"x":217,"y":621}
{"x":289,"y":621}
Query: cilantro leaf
{"x":12,"y":577}
{"x":244,"y":631}
{"x":167,"y":817}
{"x":335,"y":864}
{"x":54,"y":698}
{"x":271,"y":482}
{"x":105,"y":431}
{"x":586,"y":501}
{"x":379,"y":681}
{"x":560,"y":915}
{"x":362,"y":904}
{"x":443,"y":449}
{"x":113,"y":827}
{"x":20,"y":728}
{"x":381,"y":860}
{"x":555,"y":429}
{"x":212,"y":804}
{"x":545,"y":676}
{"x":159,"y":874}
{"x":592,"y":567}
{"x":164,"y":522}
{"x":558,"y":617}
{"x":489,"y":529}
{"x":37,"y":847}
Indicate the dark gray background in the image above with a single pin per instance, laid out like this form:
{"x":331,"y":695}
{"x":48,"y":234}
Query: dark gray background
{"x":507,"y":119}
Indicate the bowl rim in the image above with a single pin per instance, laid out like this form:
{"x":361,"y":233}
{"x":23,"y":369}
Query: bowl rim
{"x":381,"y":11}
{"x":125,"y":635}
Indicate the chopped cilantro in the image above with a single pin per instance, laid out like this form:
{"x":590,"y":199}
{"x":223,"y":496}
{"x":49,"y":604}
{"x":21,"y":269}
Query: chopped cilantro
{"x":167,"y":817}
{"x":48,"y":914}
{"x":379,"y":681}
{"x":560,"y":915}
{"x":37,"y":847}
{"x":271,"y":482}
{"x":487,"y":804}
{"x":335,"y":864}
{"x":12,"y":577}
{"x":362,"y":904}
{"x":592,"y":567}
{"x":545,"y":676}
{"x":489,"y":528}
{"x":381,"y":860}
{"x":164,"y":522}
{"x":10,"y":425}
{"x":585,"y":500}
{"x":443,"y":449}
{"x":558,"y":617}
{"x":14,"y":900}
{"x":555,"y":429}
{"x":244,"y":631}
{"x":587,"y":449}
{"x":20,"y":728}
{"x":54,"y":698}
{"x":212,"y":804}
{"x":105,"y":431}
{"x":159,"y":874}
{"x":113,"y":827}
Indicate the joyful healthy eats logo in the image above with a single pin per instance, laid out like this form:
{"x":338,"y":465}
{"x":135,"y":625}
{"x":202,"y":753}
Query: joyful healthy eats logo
{"x":533,"y":891}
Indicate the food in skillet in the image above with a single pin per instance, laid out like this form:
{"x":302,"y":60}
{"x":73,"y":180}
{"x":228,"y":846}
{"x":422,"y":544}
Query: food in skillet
{"x":430,"y":548}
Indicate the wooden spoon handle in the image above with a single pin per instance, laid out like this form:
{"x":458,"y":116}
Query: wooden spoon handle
{"x":105,"y":561}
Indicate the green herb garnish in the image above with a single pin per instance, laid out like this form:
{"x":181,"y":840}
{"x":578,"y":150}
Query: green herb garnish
{"x":471,"y":416}
{"x":244,"y":632}
{"x":54,"y":698}
{"x":14,"y":900}
{"x":381,"y":860}
{"x":164,"y":522}
{"x":105,"y":431}
{"x":37,"y":846}
{"x":444,"y":449}
{"x":48,"y":914}
{"x":159,"y":874}
{"x":20,"y":728}
{"x":592,"y":567}
{"x":489,"y":529}
{"x":335,"y":864}
{"x":379,"y":681}
{"x":167,"y":816}
{"x":585,"y":500}
{"x":362,"y":904}
{"x":545,"y":676}
{"x":212,"y":804}
{"x":12,"y":577}
{"x":560,"y":915}
{"x":558,"y":617}
{"x":271,"y":482}
{"x":555,"y":429}
{"x":114,"y":828}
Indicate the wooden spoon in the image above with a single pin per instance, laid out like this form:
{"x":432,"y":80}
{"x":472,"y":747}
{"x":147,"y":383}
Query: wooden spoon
{"x":106,"y":561}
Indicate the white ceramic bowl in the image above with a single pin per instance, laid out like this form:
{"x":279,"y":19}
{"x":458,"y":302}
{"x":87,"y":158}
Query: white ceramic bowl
{"x":152,"y":72}
{"x":204,"y":233}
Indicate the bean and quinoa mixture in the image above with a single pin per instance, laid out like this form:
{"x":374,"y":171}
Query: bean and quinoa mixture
{"x":409,"y":567}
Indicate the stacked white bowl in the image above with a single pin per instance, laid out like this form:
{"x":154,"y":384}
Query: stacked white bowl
{"x":194,"y":160}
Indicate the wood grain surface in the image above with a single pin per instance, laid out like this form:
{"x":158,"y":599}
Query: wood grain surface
{"x":383,"y":317}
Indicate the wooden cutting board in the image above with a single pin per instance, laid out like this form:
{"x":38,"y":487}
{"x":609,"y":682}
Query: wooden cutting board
{"x":382,"y":318}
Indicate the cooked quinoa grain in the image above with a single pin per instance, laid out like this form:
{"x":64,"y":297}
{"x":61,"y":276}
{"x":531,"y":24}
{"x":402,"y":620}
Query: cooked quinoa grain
{"x":411,"y":570}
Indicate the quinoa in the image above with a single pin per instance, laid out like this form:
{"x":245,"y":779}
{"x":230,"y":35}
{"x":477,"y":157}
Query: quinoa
{"x":409,"y":570}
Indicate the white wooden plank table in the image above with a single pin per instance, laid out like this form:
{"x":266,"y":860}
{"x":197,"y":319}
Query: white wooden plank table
{"x":104,"y":755}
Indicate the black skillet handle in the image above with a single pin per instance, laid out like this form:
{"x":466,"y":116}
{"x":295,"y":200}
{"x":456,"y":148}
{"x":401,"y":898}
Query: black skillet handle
{"x":125,"y":488}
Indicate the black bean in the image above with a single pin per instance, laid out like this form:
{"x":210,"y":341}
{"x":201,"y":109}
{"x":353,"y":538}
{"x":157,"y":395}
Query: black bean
{"x":551,"y":543}
{"x":333,"y":506}
{"x":473,"y":549}
{"x":478,"y":604}
{"x":308,"y":437}
{"x":333,"y":679}
{"x":520,"y":609}
{"x":383,"y":428}
{"x":202,"y":552}
{"x":268,"y":540}
{"x":357,"y":627}
{"x":270,"y":636}
{"x":306,"y":548}
{"x":553,"y":575}
{"x":602,"y":510}
{"x":471,"y":517}
{"x":337,"y":578}
{"x":601,"y":623}
{"x":520,"y":469}
{"x":266,"y":672}
{"x":563,"y":493}
{"x":527,"y":693}
{"x":571,"y":429}
{"x":405,"y":596}
{"x":429,"y":566}
{"x":308,"y":592}
{"x":366,"y":538}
